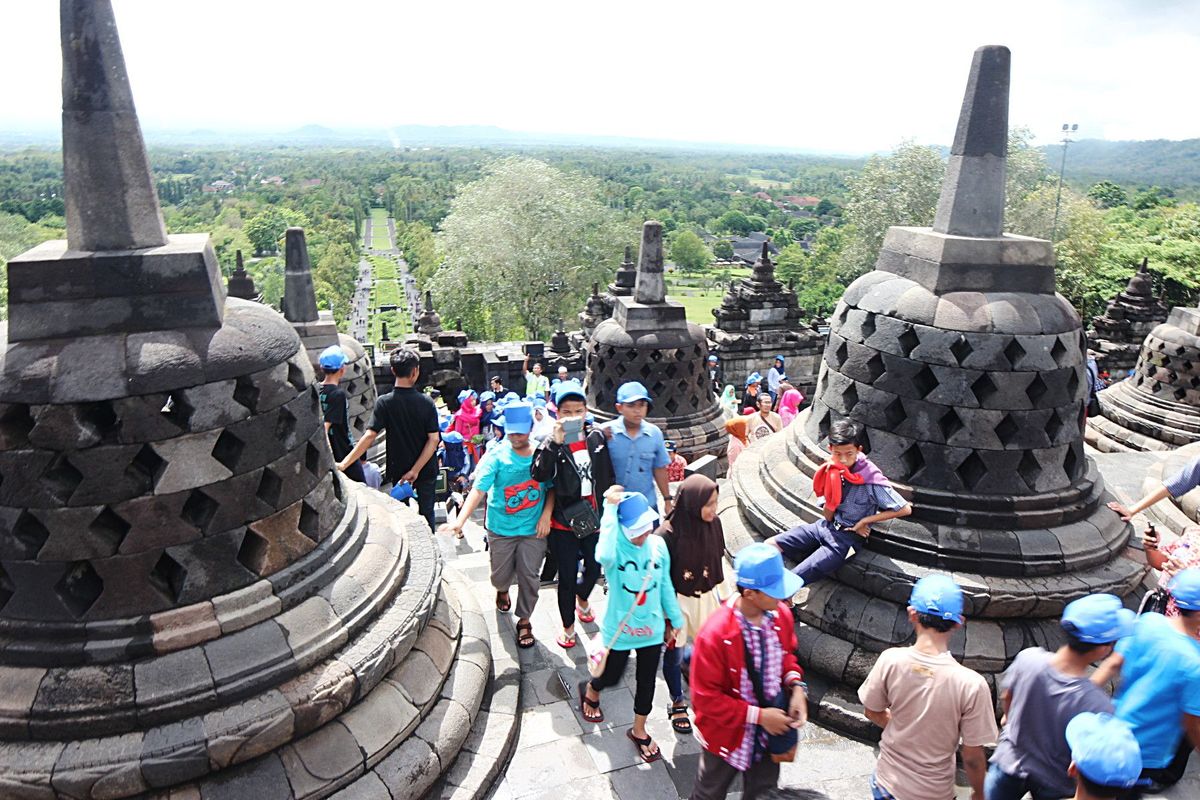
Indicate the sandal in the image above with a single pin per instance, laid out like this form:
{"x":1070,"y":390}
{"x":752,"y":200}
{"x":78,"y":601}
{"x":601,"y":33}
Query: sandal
{"x":525,"y":638}
{"x":585,"y":614}
{"x":643,"y":746}
{"x":565,"y":641}
{"x":503,"y":602}
{"x":597,"y":716}
{"x":678,"y":714}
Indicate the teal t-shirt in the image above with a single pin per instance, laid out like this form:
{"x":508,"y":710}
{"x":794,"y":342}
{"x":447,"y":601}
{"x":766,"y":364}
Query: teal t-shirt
{"x":514,"y":499}
{"x":1160,"y":682}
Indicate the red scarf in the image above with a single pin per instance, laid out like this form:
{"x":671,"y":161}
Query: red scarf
{"x":827,"y":482}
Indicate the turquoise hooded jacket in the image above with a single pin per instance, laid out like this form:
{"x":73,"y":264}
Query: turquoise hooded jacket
{"x":625,"y":566}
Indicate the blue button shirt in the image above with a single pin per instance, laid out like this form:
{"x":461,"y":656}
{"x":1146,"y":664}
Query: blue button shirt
{"x":635,"y":459}
{"x":1160,"y":682}
{"x":1185,"y":479}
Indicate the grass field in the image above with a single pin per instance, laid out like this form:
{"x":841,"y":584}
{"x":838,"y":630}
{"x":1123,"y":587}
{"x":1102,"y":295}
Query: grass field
{"x":379,"y":231}
{"x":382,"y":268}
{"x":707,"y":288}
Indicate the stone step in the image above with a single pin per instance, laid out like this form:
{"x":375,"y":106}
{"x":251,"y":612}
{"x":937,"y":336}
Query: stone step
{"x":412,"y":769}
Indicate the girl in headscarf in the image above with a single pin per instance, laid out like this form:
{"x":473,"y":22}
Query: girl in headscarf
{"x":789,"y":406}
{"x":466,"y":419}
{"x":697,"y":547}
{"x":750,"y":396}
{"x":738,"y":437}
{"x":729,"y":402}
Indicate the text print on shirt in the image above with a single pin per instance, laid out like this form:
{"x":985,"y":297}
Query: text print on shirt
{"x":521,"y":496}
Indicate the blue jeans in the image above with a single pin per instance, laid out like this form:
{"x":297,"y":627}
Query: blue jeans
{"x":880,"y":793}
{"x":999,"y":785}
{"x":819,"y":548}
{"x":673,"y":672}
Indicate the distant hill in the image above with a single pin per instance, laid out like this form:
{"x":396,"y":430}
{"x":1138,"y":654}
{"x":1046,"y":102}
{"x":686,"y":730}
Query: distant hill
{"x":1156,"y":162}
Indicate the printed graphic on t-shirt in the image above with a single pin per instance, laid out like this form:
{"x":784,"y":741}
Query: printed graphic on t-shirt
{"x":583,"y":463}
{"x":521,"y":496}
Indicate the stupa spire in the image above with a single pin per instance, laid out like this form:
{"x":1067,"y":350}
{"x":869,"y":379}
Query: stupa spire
{"x":650,"y":287}
{"x":299,"y":297}
{"x":111,"y":203}
{"x":972,"y":200}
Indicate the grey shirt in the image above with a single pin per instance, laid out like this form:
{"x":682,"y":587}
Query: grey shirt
{"x":1033,"y":744}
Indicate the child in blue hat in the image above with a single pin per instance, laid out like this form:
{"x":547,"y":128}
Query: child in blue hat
{"x":518,"y":517}
{"x":335,"y":409}
{"x":642,"y":610}
{"x":926,"y":703}
{"x":1042,"y":692}
{"x":1106,"y":761}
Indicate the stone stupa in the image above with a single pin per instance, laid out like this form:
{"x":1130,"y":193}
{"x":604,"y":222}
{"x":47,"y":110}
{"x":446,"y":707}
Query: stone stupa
{"x":193,"y":604}
{"x":240,"y":284}
{"x":760,"y":318}
{"x":318,"y":331}
{"x":1117,"y":334}
{"x":649,"y":340}
{"x":966,"y":371}
{"x":1158,"y":406}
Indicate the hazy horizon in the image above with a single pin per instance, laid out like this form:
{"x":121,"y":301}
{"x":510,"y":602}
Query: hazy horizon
{"x":848,"y":80}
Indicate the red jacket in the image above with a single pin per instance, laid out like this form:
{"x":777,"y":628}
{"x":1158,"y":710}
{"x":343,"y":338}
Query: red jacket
{"x":718,"y":658}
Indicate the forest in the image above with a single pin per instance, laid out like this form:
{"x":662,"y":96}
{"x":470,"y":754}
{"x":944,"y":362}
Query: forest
{"x":510,"y":240}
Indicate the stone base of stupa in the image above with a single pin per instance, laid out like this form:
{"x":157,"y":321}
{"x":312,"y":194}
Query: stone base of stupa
{"x":1016,"y":582}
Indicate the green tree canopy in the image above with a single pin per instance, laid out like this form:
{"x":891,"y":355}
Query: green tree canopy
{"x":722,"y":249}
{"x":265,"y":229}
{"x":1107,"y":194}
{"x":522,"y":246}
{"x":689,"y":252}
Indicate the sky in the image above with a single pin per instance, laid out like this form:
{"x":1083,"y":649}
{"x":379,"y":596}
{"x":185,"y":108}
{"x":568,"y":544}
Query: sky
{"x":834,"y":76}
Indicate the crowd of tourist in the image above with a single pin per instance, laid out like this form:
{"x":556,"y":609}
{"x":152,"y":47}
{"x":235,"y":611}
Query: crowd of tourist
{"x":612,"y":500}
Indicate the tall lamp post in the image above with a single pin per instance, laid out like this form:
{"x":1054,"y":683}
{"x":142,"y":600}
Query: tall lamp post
{"x":1067,"y":130}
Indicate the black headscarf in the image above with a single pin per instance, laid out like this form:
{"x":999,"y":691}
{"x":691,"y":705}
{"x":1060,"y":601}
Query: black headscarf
{"x":697,"y":547}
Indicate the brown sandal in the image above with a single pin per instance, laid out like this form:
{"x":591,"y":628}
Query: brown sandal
{"x":643,"y":746}
{"x":525,"y":638}
{"x":584,"y":704}
{"x":503,"y":602}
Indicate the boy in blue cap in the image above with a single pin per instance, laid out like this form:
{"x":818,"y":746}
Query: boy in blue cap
{"x":518,"y":517}
{"x":335,"y":408}
{"x":740,"y":702}
{"x":927,"y":703}
{"x":637,"y":448}
{"x":1106,"y":761}
{"x":1042,"y":692}
{"x":1159,"y":694}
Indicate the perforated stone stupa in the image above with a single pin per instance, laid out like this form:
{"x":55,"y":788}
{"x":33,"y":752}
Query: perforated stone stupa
{"x":760,"y":318}
{"x":192,"y":603}
{"x":318,"y":331}
{"x":965,"y":369}
{"x":1118,"y":333}
{"x":650,"y":340}
{"x":1158,"y":406}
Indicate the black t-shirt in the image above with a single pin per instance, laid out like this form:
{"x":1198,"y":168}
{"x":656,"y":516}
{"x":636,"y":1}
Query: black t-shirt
{"x":408,"y":417}
{"x":335,"y":408}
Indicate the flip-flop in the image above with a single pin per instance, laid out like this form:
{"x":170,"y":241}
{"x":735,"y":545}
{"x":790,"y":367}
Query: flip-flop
{"x":584,"y":702}
{"x":641,"y":744}
{"x":678,"y":714}
{"x":503,"y":602}
{"x":585,"y":615}
{"x":564,"y":641}
{"x":525,"y":638}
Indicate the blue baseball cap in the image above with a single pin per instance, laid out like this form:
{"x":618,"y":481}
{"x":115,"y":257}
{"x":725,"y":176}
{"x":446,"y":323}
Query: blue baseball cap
{"x":464,"y":394}
{"x":568,"y":390}
{"x":453,"y":437}
{"x":1185,"y":589}
{"x":538,"y":402}
{"x":753,"y":377}
{"x":635,"y":515}
{"x":403,"y":491}
{"x":1104,"y":750}
{"x":486,"y":396}
{"x":631,"y":392}
{"x":332,"y":357}
{"x":713,"y":358}
{"x":760,"y":566}
{"x":1098,"y":619}
{"x":511,"y":397}
{"x":780,"y":359}
{"x":938,"y":596}
{"x":518,"y":418}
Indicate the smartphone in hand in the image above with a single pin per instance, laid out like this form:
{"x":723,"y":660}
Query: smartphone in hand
{"x":572,"y":430}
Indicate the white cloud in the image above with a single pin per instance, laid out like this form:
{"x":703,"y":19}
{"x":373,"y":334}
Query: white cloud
{"x":849,"y":76}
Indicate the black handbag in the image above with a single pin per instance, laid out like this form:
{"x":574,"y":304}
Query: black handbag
{"x":580,"y":515}
{"x":781,"y":747}
{"x":1155,"y":601}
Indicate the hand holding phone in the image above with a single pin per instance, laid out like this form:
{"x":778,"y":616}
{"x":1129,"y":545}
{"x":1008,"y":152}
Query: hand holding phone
{"x":572,"y":430}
